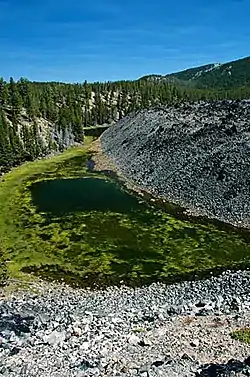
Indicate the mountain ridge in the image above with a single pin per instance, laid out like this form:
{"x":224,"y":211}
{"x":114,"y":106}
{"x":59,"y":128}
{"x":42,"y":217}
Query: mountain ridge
{"x":232,"y":74}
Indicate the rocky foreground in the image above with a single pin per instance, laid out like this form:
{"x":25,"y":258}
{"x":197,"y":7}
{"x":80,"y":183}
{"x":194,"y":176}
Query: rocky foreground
{"x":196,"y":155}
{"x":178,"y":330}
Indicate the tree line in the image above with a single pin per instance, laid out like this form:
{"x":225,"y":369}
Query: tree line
{"x":40,"y":118}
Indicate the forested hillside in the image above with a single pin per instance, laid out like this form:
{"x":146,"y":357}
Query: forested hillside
{"x":235,"y":74}
{"x":37,"y":119}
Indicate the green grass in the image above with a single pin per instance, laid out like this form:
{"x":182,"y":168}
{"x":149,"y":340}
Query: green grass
{"x":55,"y":224}
{"x":18,"y":216}
{"x":243,"y":335}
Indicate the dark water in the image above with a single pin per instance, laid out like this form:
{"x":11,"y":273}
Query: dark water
{"x":90,"y":231}
{"x":62,"y":196}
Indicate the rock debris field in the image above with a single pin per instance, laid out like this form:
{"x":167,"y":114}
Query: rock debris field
{"x":196,"y":155}
{"x":177,"y":330}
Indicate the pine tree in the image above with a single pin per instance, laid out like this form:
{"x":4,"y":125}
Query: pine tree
{"x":15,"y":101}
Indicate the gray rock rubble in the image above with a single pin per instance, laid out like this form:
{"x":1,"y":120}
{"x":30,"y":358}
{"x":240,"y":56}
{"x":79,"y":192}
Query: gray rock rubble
{"x":195,"y":155}
{"x":177,"y":330}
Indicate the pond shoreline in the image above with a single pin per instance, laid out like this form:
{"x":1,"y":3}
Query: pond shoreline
{"x":152,"y":242}
{"x":103,"y":163}
{"x":195,"y":155}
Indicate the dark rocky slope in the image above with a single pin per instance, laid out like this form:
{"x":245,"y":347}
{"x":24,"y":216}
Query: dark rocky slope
{"x":196,"y":155}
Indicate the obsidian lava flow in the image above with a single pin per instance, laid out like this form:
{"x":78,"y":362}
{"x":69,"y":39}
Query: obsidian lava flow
{"x":196,"y":155}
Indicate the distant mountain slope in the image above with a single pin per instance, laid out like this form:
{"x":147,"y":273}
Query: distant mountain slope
{"x":194,"y":75}
{"x":229,"y":75}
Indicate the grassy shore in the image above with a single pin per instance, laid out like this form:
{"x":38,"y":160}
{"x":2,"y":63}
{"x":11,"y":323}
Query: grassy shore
{"x":19,"y":220}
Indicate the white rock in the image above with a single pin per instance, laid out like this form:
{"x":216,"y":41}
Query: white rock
{"x":133,"y":339}
{"x":77,"y":331}
{"x":85,"y":345}
{"x":55,"y":338}
{"x":195,"y":343}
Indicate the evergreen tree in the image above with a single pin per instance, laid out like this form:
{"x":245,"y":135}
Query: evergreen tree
{"x":65,"y":109}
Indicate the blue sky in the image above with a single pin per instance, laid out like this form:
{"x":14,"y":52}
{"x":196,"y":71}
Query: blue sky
{"x":101,"y":40}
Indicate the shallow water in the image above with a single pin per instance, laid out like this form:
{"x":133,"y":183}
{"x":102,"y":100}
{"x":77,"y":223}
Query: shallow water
{"x":94,"y":232}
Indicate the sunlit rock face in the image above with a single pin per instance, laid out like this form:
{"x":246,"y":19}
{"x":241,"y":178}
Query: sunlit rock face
{"x":196,"y":155}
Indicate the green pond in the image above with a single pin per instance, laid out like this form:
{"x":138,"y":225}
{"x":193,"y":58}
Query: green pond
{"x":64,"y":196}
{"x":85,"y":228}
